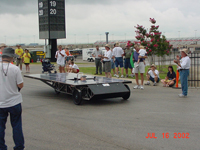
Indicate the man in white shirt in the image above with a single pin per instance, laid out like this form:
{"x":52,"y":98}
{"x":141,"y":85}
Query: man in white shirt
{"x":107,"y":61}
{"x":11,"y":83}
{"x":118,"y":54}
{"x":183,"y":67}
{"x":153,"y":75}
{"x":60,"y":55}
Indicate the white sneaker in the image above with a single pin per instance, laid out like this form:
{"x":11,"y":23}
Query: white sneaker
{"x":132,"y":75}
{"x":141,"y":87}
{"x":117,"y":76}
{"x":154,"y":84}
{"x":122,"y":76}
{"x":148,"y":83}
{"x":182,"y":96}
{"x":136,"y":87}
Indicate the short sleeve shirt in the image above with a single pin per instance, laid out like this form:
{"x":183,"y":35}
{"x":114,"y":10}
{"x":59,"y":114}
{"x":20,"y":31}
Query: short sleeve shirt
{"x":152,"y":74}
{"x":128,"y":53}
{"x":136,"y":54}
{"x":142,"y":52}
{"x":118,"y":52}
{"x":10,"y":96}
{"x":171,"y":76}
{"x":108,"y":54}
{"x":75,"y":66}
{"x":60,"y":58}
{"x":19,"y":52}
{"x":97,"y":52}
{"x":27,"y":57}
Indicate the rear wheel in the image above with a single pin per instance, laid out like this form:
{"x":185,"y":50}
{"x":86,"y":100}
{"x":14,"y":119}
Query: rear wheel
{"x":127,"y":95}
{"x":77,"y":97}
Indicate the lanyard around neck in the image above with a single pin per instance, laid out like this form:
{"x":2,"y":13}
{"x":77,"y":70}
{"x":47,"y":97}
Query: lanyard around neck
{"x":5,"y":73}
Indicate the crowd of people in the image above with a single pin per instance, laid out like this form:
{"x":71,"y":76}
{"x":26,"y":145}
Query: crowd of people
{"x":115,"y":58}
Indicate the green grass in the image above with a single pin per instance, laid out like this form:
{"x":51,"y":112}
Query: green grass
{"x":163,"y":72}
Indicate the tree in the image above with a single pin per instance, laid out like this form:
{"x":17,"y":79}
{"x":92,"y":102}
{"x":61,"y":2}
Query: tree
{"x":154,"y":43}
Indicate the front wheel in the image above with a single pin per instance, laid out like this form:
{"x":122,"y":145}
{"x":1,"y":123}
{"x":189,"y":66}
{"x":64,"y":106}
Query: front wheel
{"x":77,"y":97}
{"x":127,"y":95}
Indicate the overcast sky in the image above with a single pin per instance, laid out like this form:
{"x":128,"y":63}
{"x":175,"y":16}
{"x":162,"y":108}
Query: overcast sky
{"x":19,"y":19}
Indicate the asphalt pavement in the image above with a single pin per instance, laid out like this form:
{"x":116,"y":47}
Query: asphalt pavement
{"x":53,"y":122}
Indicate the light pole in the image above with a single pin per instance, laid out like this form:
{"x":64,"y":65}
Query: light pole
{"x":106,"y":37}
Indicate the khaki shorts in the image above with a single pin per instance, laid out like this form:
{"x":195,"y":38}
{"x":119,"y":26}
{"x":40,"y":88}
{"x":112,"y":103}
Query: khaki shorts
{"x":107,"y":66}
{"x":140,"y":69}
{"x":19,"y":61}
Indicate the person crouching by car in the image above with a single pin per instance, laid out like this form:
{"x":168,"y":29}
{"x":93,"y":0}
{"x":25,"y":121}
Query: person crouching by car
{"x":153,"y":75}
{"x":74,"y":67}
{"x":107,"y":61}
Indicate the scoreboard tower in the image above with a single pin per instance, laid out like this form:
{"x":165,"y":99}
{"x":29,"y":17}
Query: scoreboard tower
{"x":51,"y":24}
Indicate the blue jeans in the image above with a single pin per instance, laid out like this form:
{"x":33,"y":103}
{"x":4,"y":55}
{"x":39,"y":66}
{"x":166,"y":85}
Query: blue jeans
{"x":184,"y":81}
{"x":16,"y":122}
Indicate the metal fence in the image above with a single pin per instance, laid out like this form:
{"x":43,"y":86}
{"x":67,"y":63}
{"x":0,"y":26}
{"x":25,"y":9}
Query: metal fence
{"x":194,"y":77}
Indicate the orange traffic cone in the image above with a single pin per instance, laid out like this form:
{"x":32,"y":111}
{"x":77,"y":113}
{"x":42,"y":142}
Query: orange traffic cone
{"x":177,"y":78}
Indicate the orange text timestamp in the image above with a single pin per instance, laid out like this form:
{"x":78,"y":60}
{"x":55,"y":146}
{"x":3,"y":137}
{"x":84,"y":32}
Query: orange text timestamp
{"x":167,"y":135}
